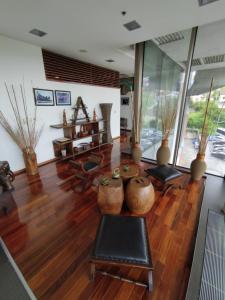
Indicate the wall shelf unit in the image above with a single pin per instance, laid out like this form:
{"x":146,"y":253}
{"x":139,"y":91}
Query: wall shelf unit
{"x":75,"y":132}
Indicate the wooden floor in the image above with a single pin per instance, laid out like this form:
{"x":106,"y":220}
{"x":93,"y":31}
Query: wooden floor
{"x":50,"y":232}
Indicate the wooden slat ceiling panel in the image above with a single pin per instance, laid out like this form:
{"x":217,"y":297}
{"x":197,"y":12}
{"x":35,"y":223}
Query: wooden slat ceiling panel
{"x":59,"y":67}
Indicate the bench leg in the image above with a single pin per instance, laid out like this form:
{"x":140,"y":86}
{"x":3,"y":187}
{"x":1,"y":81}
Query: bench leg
{"x":150,"y":281}
{"x":92,"y":271}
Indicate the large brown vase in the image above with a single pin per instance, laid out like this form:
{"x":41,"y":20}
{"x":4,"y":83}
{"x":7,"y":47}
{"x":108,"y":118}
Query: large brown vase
{"x":106,"y":115}
{"x":30,"y":160}
{"x":136,"y":153}
{"x":111,"y":196}
{"x":163,"y":153}
{"x":140,"y":195}
{"x":198,"y":167}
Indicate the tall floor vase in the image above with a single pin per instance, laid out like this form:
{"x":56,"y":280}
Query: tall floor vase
{"x":136,"y":153}
{"x":106,"y":115}
{"x":30,"y":160}
{"x":198,"y":167}
{"x":163,"y":153}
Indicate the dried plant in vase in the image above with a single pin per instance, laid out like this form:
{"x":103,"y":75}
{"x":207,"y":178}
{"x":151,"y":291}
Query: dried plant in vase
{"x":198,"y":165}
{"x":24,"y":131}
{"x":168,"y":109}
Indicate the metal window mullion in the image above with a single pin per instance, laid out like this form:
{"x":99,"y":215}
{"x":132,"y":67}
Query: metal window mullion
{"x":184,"y":92}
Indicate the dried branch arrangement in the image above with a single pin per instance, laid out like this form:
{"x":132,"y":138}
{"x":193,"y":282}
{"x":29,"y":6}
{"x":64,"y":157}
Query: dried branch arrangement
{"x":24,"y":132}
{"x":168,"y":107}
{"x":207,"y":128}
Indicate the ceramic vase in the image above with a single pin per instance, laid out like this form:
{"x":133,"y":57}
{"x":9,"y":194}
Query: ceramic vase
{"x":106,"y":115}
{"x":163,"y":153}
{"x":198,"y":167}
{"x":136,"y":153}
{"x":30,"y":160}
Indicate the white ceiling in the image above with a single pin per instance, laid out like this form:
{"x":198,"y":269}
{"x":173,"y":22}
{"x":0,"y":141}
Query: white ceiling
{"x":97,"y":25}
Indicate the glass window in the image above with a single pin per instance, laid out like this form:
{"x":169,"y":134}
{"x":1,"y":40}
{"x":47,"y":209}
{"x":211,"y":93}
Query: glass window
{"x":208,"y":62}
{"x":163,"y":75}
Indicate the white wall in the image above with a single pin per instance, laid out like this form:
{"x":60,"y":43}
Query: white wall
{"x":23,"y":62}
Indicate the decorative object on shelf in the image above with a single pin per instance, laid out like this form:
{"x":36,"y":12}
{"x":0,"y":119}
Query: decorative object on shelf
{"x":111,"y":196}
{"x":116,"y":173}
{"x":168,"y":111}
{"x":106,"y":115}
{"x":63,"y":151}
{"x":140,"y":195}
{"x":64,"y":118}
{"x":94,"y":116}
{"x":80,"y":105}
{"x":25,"y":132}
{"x":6,"y":177}
{"x":63,"y":97}
{"x":43,"y":97}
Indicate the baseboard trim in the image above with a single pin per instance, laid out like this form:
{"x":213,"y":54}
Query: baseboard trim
{"x":39,"y":165}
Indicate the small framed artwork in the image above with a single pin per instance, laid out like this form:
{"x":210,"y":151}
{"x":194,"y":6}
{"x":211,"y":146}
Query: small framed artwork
{"x":43,"y":97}
{"x":63,"y":97}
{"x":125,"y":100}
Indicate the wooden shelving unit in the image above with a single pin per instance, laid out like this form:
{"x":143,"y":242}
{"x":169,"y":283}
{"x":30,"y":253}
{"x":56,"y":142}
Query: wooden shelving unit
{"x":86,"y":130}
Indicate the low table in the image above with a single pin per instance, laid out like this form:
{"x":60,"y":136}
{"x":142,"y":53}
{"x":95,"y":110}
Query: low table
{"x":122,"y":241}
{"x":133,"y":171}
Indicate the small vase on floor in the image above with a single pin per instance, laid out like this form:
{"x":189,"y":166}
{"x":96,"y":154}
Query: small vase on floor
{"x":136,"y":153}
{"x":163,"y":153}
{"x":30,"y":160}
{"x":198,"y":167}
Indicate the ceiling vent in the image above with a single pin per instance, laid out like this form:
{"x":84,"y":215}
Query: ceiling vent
{"x":213,"y":59}
{"x":205,"y":2}
{"x":169,"y":38}
{"x":195,"y":62}
{"x":37,"y":32}
{"x":133,"y":25}
{"x":110,"y":60}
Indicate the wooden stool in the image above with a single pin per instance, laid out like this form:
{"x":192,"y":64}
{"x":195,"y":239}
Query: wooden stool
{"x":140,"y":195}
{"x":122,"y":241}
{"x":111,"y":196}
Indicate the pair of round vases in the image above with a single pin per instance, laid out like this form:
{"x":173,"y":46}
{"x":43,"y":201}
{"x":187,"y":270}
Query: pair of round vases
{"x":139,"y":194}
{"x":198,"y":165}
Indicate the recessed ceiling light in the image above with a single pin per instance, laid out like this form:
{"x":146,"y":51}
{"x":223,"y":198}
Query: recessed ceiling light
{"x":132,"y":25}
{"x":37,"y":32}
{"x":57,"y":77}
{"x":205,"y":2}
{"x":110,"y":60}
{"x":83,"y":50}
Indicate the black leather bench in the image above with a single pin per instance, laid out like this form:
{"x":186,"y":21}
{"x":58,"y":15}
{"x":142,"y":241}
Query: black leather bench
{"x":165,"y":174}
{"x":122,"y":241}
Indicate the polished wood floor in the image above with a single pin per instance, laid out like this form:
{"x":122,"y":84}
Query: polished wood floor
{"x":50,"y":230}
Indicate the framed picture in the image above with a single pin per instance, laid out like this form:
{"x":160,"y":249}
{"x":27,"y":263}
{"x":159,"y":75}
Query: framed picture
{"x":43,"y":97}
{"x":63,"y":97}
{"x":125,"y":100}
